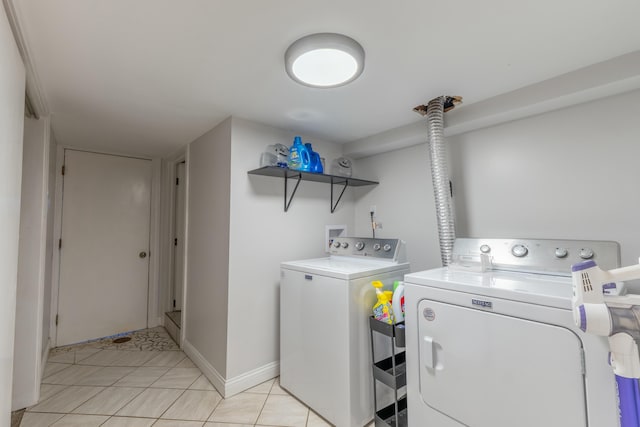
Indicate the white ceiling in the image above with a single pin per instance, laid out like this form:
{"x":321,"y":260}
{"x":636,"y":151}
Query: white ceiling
{"x":148,"y":76}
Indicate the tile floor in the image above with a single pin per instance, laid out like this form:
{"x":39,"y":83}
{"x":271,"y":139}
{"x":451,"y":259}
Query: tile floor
{"x":126,"y":385}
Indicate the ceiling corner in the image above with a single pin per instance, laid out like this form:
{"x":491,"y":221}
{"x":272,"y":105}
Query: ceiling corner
{"x":35,"y":94}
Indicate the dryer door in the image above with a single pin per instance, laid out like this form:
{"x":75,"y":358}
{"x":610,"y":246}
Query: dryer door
{"x":484,"y":369}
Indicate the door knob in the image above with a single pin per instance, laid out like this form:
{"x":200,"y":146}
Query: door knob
{"x":142,"y":254}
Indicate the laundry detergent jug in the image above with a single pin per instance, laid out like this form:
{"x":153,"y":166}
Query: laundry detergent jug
{"x":316,"y":163}
{"x":299,"y":157}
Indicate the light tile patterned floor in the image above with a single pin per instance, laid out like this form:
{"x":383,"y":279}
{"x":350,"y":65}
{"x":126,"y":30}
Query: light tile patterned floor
{"x":149,"y":382}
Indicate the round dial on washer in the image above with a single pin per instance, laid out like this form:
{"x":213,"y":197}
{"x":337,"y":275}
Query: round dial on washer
{"x":345,"y":245}
{"x":336,"y":244}
{"x":485,"y":249}
{"x":376,"y":247}
{"x":586,"y":253}
{"x":359,"y":246}
{"x":561,"y":252}
{"x":386,"y":247}
{"x":519,"y":251}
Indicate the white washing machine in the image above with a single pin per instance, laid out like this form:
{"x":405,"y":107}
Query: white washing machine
{"x":499,"y":348}
{"x":325,"y":303}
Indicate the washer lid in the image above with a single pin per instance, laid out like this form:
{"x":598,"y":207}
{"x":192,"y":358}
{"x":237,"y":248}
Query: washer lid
{"x":346,"y":268}
{"x":553,"y":291}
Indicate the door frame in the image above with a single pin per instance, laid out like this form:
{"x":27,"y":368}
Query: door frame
{"x":173,"y":295}
{"x":154,"y":317}
{"x":168,"y":234}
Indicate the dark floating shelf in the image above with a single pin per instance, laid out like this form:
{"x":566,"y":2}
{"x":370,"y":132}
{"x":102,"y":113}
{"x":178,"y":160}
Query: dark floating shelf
{"x":308,"y":176}
{"x":287,"y":174}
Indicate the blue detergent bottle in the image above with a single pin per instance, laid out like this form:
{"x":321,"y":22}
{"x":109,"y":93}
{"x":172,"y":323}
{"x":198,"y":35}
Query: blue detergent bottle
{"x":299,"y":157}
{"x":316,"y":163}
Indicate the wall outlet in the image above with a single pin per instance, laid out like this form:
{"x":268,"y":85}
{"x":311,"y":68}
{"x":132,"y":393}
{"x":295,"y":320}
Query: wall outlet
{"x":378,"y":225}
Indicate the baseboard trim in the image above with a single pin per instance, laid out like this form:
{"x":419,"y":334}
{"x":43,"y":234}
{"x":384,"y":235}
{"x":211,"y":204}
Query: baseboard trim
{"x":207,"y":369}
{"x":45,"y":358}
{"x":32,"y":397}
{"x":252,"y":378}
{"x":235,"y":385}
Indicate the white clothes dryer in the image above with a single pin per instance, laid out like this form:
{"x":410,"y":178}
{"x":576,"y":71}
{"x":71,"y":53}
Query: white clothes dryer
{"x":325,"y":304}
{"x":499,"y":348}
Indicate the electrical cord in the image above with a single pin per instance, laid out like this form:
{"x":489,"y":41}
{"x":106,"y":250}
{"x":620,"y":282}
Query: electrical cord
{"x":373,"y":225}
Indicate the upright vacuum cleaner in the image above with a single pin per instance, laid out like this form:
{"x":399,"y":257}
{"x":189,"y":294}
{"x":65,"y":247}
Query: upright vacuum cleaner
{"x":597,"y":309}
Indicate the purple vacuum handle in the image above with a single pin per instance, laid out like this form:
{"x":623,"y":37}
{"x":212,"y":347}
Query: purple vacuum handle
{"x":629,"y":400}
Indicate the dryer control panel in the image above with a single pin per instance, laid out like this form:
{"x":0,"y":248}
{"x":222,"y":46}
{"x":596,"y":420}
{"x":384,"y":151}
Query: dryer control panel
{"x":544,"y":256}
{"x":391,"y":249}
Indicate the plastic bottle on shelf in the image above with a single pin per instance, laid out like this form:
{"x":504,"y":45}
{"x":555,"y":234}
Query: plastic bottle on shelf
{"x":382,"y":310}
{"x":389,"y":295}
{"x":397,"y":303}
{"x":299,"y":157}
{"x":316,"y":162}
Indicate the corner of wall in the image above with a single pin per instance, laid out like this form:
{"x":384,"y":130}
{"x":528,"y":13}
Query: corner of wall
{"x":207,"y":221}
{"x":236,"y":385}
{"x":216,"y":379}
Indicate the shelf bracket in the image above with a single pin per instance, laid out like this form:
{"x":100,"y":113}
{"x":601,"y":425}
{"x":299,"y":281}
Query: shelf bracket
{"x":288,"y":203}
{"x":334,"y":206}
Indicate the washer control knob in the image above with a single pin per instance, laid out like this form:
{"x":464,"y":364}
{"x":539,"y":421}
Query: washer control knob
{"x":485,"y":249}
{"x":345,"y":245}
{"x":586,"y":253}
{"x":386,"y":247}
{"x":336,"y":244}
{"x":519,"y":251}
{"x":359,"y":246}
{"x":376,"y":247}
{"x":561,"y":252}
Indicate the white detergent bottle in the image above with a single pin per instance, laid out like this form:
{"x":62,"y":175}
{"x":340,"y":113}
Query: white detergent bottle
{"x":397,"y":302}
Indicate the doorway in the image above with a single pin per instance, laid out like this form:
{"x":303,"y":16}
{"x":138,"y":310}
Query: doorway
{"x":104,"y":246}
{"x":178,"y":261}
{"x":173,"y":318}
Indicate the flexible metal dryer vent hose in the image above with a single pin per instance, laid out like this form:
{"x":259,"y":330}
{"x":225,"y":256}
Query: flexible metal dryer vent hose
{"x":434,"y":112}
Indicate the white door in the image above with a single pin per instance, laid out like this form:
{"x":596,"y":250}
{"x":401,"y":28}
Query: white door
{"x":104,"y":262}
{"x":484,"y":369}
{"x":178,"y":260}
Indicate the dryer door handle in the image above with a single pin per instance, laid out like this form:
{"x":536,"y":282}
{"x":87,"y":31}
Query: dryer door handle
{"x":428,"y":352}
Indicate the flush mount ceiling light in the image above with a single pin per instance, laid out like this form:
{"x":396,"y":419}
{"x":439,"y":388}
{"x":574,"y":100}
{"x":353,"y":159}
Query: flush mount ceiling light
{"x":324,"y":60}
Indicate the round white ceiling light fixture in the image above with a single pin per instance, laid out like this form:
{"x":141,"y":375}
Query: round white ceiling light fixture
{"x":324,"y":60}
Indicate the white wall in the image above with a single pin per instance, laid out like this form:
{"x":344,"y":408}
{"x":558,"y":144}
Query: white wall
{"x":12,"y":87}
{"x":49,"y":249}
{"x":205,"y":320}
{"x":237,"y":236}
{"x":572,"y":174}
{"x":404,"y":203}
{"x":611,"y":77}
{"x":262,"y":235}
{"x":29,"y":333}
